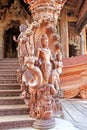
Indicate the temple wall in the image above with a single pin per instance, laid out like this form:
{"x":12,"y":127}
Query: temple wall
{"x":73,"y":43}
{"x":68,"y":36}
{"x":14,"y":13}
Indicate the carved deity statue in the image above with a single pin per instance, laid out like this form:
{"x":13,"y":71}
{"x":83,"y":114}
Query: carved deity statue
{"x":44,"y":55}
{"x":39,"y":80}
{"x":58,"y":62}
{"x":21,"y":41}
{"x":42,"y":64}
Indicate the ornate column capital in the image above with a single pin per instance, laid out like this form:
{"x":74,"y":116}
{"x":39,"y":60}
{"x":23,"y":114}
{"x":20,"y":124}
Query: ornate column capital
{"x":47,"y":9}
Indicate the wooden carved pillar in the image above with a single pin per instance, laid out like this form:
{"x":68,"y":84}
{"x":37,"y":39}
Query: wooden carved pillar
{"x":83,"y":41}
{"x":40,"y":59}
{"x":64,"y":33}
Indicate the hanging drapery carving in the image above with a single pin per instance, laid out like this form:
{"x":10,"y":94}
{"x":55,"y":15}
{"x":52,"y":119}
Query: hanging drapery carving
{"x":40,"y":58}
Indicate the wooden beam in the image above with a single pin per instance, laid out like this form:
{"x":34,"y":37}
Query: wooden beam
{"x":82,"y":19}
{"x":71,"y":3}
{"x":82,"y":23}
{"x":69,"y":7}
{"x":78,"y":7}
{"x":83,"y":10}
{"x":72,"y":19}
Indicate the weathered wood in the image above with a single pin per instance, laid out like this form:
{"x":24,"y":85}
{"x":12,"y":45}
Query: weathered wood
{"x":78,"y":7}
{"x":74,"y":77}
{"x":72,"y":19}
{"x":75,"y":114}
{"x":75,"y":111}
{"x":80,"y":107}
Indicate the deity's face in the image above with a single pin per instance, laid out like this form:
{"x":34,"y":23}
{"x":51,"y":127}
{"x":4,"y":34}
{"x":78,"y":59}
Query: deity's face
{"x":44,"y":40}
{"x":59,"y":56}
{"x":31,"y":50}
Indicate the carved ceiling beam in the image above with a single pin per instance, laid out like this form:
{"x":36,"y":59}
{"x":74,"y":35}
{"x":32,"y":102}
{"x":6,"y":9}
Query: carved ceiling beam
{"x":71,"y":3}
{"x":78,"y":7}
{"x":69,"y":7}
{"x":72,"y":19}
{"x":82,"y":20}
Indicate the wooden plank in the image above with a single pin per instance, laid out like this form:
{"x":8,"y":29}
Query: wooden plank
{"x":84,"y":105}
{"x":68,"y":105}
{"x":77,"y":129}
{"x":81,"y":126}
{"x":72,"y":19}
{"x":80,"y":108}
{"x":67,"y":115}
{"x":75,"y":114}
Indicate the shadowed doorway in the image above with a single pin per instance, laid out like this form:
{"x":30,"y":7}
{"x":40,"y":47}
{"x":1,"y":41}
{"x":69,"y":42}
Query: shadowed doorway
{"x":10,"y":46}
{"x":72,"y":50}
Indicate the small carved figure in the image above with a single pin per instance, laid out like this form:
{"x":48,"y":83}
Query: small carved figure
{"x":58,"y":62}
{"x":32,"y":77}
{"x":44,"y":55}
{"x":21,"y":44}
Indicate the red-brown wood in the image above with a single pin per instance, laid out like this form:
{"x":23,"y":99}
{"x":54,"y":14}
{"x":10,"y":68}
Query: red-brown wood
{"x":74,"y":77}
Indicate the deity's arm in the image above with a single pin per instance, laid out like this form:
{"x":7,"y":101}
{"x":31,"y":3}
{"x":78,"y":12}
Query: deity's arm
{"x":52,"y":58}
{"x":14,"y":38}
{"x":52,"y":90}
{"x":38,"y":58}
{"x":38,"y":52}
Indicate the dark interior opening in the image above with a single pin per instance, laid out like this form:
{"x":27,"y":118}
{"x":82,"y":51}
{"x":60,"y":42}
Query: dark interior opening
{"x":72,"y":51}
{"x":10,"y":46}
